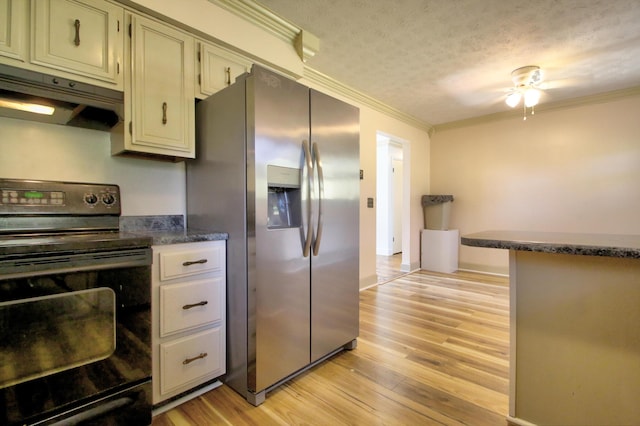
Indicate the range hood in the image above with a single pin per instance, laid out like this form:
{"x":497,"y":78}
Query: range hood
{"x":75,"y":103}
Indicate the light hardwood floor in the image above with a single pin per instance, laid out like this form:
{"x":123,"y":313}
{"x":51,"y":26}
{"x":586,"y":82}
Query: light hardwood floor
{"x":433,"y":350}
{"x":388,"y":267}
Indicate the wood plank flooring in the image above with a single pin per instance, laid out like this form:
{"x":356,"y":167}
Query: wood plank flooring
{"x":388,"y":267}
{"x":433,"y":350}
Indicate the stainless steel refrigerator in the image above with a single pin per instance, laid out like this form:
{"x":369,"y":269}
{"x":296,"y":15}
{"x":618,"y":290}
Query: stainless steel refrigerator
{"x":277,"y":167}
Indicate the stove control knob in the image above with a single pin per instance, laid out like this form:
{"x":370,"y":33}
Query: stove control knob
{"x":108,"y":199}
{"x":90,"y":199}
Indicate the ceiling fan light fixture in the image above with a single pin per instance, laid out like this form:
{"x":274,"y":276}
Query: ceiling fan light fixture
{"x":526,"y":82}
{"x":513,"y":99}
{"x":531,"y":97}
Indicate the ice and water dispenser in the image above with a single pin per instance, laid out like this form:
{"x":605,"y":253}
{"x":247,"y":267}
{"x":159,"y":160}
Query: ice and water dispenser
{"x":284,"y":197}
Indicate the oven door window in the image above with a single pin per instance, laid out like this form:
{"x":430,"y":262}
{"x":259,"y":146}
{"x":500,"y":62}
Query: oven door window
{"x":68,"y":338}
{"x":54,"y":333}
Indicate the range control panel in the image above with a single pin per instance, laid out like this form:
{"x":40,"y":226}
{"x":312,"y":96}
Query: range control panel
{"x":31,"y":197}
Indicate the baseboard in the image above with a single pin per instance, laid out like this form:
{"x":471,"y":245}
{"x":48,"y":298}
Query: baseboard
{"x":368,"y":282}
{"x":411,"y":267}
{"x":476,"y":271}
{"x":170,"y":405}
{"x":519,"y":422}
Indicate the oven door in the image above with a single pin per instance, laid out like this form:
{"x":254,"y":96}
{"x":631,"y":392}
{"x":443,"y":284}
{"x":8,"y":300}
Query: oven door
{"x":75,"y":338}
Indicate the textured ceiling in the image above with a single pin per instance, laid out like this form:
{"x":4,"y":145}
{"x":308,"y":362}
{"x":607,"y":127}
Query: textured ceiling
{"x":448,"y":60}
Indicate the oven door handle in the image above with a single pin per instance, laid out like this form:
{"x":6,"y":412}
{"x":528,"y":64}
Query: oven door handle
{"x":31,"y":266}
{"x":95,"y":412}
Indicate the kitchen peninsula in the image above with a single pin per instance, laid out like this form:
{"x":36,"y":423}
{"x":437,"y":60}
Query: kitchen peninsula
{"x":575,"y":326}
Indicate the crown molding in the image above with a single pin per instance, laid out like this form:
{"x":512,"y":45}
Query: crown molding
{"x":342,"y":89}
{"x":541,"y":108}
{"x":307,"y":45}
{"x":262,"y":17}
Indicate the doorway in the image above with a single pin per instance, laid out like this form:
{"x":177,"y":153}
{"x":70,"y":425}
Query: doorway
{"x":392,"y":180}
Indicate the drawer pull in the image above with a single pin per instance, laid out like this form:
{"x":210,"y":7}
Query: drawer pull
{"x":193,"y":305}
{"x":193,"y":262}
{"x":190,"y":360}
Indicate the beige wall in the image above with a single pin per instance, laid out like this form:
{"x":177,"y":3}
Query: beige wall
{"x":52,"y":152}
{"x":575,"y":169}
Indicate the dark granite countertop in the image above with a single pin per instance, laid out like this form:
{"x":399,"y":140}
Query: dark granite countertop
{"x":609,"y":245}
{"x":177,"y":236}
{"x":166,"y":230}
{"x":135,"y":232}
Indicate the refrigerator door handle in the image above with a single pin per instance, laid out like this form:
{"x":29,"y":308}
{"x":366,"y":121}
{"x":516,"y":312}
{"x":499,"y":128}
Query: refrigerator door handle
{"x":318,"y":166}
{"x":309,"y":164}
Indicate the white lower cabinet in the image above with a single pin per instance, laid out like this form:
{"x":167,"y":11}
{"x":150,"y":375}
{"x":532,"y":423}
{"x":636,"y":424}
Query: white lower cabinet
{"x":188,"y":316}
{"x":189,"y":359}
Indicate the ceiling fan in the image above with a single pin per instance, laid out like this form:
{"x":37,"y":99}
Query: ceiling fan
{"x":527,"y":82}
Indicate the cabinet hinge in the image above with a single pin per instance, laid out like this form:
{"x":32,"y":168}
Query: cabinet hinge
{"x":117,"y":67}
{"x":200,"y":79}
{"x":129,"y":30}
{"x":118,"y":25}
{"x":131,"y":128}
{"x":199,"y":58}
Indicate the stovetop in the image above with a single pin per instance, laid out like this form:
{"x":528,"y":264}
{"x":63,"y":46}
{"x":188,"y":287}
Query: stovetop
{"x":50,"y":216}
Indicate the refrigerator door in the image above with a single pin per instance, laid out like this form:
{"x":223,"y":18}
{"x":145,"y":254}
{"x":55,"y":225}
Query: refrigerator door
{"x":335,"y":262}
{"x":278,"y":272}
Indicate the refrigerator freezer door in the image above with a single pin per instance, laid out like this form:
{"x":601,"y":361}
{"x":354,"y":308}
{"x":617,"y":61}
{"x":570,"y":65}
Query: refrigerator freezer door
{"x":335,"y":269}
{"x":279,"y":274}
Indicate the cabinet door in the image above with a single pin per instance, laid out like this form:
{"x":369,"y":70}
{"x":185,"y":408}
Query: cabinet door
{"x":13,"y":14}
{"x":162,"y":89}
{"x":218,"y":69}
{"x":81,"y":37}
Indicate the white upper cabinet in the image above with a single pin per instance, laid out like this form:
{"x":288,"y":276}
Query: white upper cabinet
{"x":13,"y":16}
{"x":217,"y":68}
{"x":159,"y":92}
{"x":80,"y":37}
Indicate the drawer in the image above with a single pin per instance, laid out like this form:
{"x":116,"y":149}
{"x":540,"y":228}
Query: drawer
{"x":176,"y":264}
{"x":184,"y":361}
{"x":192,"y":304}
